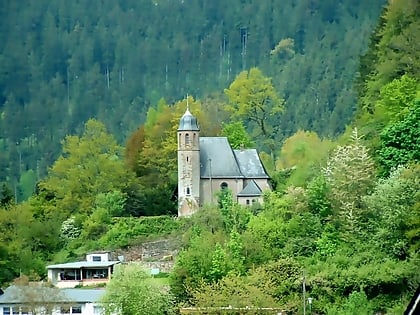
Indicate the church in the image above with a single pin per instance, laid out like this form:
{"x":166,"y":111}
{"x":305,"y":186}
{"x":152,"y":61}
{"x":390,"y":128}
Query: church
{"x":206,"y":165}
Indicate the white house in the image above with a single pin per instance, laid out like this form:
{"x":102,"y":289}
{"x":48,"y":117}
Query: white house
{"x":95,"y":270}
{"x":27,"y":300}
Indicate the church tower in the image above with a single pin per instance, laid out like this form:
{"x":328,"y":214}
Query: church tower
{"x":188,"y":164}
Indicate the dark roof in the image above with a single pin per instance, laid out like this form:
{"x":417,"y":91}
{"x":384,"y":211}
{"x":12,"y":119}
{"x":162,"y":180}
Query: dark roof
{"x":188,"y":122}
{"x":217,"y":159}
{"x":13,"y":295}
{"x":250,"y":163}
{"x":84,"y":264}
{"x":251,"y":190}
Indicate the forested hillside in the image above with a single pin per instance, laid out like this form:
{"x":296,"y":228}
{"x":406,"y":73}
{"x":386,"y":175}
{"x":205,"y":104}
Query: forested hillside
{"x":63,"y":62}
{"x":342,"y":223}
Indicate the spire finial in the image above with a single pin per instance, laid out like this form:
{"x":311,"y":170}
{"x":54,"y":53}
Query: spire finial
{"x":188,"y":105}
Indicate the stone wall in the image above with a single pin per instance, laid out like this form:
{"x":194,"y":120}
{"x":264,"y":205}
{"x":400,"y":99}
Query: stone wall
{"x":153,"y":255}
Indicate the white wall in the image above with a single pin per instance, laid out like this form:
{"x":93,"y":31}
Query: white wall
{"x":87,"y":309}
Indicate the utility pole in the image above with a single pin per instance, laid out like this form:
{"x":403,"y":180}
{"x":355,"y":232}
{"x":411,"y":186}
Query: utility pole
{"x":211,"y":183}
{"x":304,"y":293}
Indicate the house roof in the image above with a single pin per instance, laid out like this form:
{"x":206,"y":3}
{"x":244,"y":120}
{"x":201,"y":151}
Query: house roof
{"x":84,"y":264}
{"x":218,"y":160}
{"x":15,"y":295}
{"x":250,"y":164}
{"x":251,"y":190}
{"x":84,"y":295}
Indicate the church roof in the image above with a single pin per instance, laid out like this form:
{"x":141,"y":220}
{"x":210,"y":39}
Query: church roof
{"x":218,"y":160}
{"x":188,"y":122}
{"x":252,"y":189}
{"x":250,"y":164}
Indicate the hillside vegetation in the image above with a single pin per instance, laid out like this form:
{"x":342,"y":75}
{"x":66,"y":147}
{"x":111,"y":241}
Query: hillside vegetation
{"x":343,"y":219}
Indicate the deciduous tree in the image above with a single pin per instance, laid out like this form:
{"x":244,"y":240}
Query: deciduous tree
{"x":131,"y":291}
{"x":253,"y":99}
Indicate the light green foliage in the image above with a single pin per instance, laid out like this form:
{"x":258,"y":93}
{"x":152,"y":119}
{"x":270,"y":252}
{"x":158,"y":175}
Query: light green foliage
{"x":318,"y":197}
{"x":113,"y":202}
{"x":236,"y":252}
{"x":328,"y":242}
{"x":284,"y":47}
{"x":350,"y":174}
{"x":237,"y":135}
{"x":194,"y":263}
{"x":356,"y":303}
{"x":303,"y":154}
{"x":27,"y":242}
{"x":219,"y":265}
{"x":131,"y":292}
{"x":90,"y":164}
{"x":284,"y":226}
{"x":253,"y":99}
{"x":107,"y":206}
{"x":234,"y":215}
{"x":124,"y":231}
{"x":285,"y":277}
{"x":236,"y":291}
{"x":393,"y":203}
{"x":396,"y":98}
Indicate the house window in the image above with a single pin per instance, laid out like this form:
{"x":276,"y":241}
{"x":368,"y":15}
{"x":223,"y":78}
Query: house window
{"x":188,"y":191}
{"x":6,"y":310}
{"x":15,"y":310}
{"x":188,"y":158}
{"x":65,"y":310}
{"x":96,"y":258}
{"x":224,"y":185}
{"x":77,"y":309}
{"x":247,"y":201}
{"x":24,"y":310}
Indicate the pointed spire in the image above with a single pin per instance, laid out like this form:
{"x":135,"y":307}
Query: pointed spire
{"x":188,"y":105}
{"x":188,"y":121}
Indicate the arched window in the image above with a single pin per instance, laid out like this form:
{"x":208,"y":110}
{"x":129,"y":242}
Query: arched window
{"x":187,"y":139}
{"x":188,"y":191}
{"x":188,"y":158}
{"x":224,"y":185}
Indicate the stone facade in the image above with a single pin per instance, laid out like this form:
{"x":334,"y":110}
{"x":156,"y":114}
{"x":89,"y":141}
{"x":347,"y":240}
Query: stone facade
{"x":207,"y":165}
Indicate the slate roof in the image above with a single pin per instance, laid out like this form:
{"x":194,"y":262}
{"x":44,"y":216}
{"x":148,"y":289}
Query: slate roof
{"x":218,"y":160}
{"x":84,"y":295}
{"x":11,"y":295}
{"x":251,"y":190}
{"x":188,"y":122}
{"x":250,"y":163}
{"x":84,"y":264}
